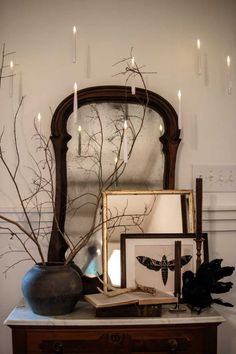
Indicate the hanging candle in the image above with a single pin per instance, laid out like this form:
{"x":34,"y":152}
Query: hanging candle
{"x":229,"y":79}
{"x":199,"y":58}
{"x":161,"y":129}
{"x":39,"y":128}
{"x":39,"y":117}
{"x":11,"y":78}
{"x":180,"y":109}
{"x":75,"y":106}
{"x":74,"y":44}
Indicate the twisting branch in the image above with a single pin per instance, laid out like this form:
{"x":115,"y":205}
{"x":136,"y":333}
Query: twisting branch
{"x":92,"y":161}
{"x":92,"y":164}
{"x":42,"y":184}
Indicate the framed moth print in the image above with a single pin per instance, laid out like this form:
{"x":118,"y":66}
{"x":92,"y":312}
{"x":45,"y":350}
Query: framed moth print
{"x":149,"y":259}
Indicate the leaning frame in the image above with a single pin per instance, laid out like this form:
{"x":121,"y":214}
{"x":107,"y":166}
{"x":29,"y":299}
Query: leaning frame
{"x":105,"y":219}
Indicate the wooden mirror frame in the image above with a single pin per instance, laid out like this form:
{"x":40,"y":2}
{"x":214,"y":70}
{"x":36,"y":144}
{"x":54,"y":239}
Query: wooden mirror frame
{"x":59,"y":136}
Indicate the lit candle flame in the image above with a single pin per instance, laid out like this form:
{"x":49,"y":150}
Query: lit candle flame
{"x":79,"y":128}
{"x":75,"y":87}
{"x":39,"y":117}
{"x":179,"y":95}
{"x":116,"y":160}
{"x":198,"y":44}
{"x":11,"y":64}
{"x":132,"y":62}
{"x":229,"y":78}
{"x":125,"y":124}
{"x":179,"y":113}
{"x":74,"y":29}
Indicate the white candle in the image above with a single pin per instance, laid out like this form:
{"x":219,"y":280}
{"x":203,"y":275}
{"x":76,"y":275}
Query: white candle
{"x":199,"y":58}
{"x":75,"y":105}
{"x":161,"y":129}
{"x":180,"y":108}
{"x":74,"y":44}
{"x":79,"y":139}
{"x":132,"y":62}
{"x":125,"y":146}
{"x":39,"y":118}
{"x":229,"y":79}
{"x":133,"y":90}
{"x":11,"y":78}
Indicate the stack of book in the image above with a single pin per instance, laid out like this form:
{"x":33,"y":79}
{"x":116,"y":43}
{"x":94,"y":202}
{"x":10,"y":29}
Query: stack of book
{"x":135,"y":303}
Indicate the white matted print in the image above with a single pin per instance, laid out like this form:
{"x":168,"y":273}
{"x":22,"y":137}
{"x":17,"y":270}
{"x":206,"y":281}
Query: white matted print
{"x":149,"y":261}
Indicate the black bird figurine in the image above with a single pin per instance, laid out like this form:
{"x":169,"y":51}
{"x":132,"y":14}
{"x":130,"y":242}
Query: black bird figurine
{"x":197,"y":288}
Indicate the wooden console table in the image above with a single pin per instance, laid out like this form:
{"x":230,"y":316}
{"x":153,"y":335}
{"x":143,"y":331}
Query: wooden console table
{"x":82,"y":332}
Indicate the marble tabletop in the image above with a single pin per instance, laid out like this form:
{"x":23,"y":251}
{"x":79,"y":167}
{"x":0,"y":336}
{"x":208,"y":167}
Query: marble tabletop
{"x":84,"y":315}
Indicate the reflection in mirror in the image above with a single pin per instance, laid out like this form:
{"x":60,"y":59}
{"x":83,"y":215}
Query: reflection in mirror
{"x":104,"y":153}
{"x":141,"y":212}
{"x":103,"y":109}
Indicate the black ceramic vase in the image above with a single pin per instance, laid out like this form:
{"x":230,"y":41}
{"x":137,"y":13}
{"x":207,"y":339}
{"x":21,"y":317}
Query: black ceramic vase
{"x":52,"y":289}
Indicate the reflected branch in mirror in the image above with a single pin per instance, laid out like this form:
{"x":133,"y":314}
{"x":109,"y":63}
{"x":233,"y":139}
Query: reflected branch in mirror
{"x":151,"y":165}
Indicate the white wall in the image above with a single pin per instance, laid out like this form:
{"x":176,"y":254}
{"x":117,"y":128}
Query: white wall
{"x":163,"y":34}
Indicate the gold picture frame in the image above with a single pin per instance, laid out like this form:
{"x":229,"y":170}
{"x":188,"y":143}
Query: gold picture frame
{"x":145,"y":211}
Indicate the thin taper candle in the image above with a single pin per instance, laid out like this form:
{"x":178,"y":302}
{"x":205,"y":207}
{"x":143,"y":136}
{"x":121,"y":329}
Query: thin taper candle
{"x":199,"y":58}
{"x":11,"y":78}
{"x":177,"y":268}
{"x":74,"y":44}
{"x":39,"y":117}
{"x":180,"y":109}
{"x":199,"y":208}
{"x":229,"y":79}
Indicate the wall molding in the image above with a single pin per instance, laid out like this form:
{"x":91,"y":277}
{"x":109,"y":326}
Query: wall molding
{"x":17,"y":215}
{"x":220,"y":218}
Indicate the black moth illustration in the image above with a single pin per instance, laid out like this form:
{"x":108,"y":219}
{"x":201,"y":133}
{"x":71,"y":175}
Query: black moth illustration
{"x":162,"y":265}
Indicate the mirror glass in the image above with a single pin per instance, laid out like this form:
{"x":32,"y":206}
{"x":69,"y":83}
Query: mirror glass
{"x":111,"y":127}
{"x":141,"y":212}
{"x":96,"y":155}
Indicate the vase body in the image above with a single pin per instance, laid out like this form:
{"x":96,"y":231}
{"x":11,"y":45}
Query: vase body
{"x":52,"y":289}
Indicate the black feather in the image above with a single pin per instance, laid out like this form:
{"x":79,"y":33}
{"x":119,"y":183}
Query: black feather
{"x":197,"y":288}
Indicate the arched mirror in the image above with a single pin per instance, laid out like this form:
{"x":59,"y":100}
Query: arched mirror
{"x":115,"y":141}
